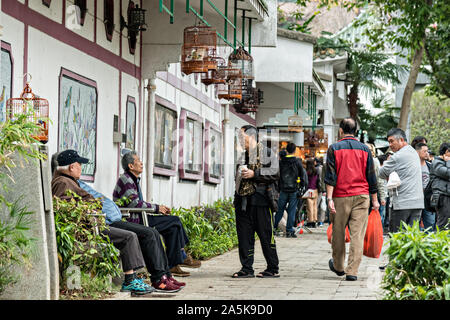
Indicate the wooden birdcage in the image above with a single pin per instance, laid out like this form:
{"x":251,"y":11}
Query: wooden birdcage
{"x":36,"y":110}
{"x":250,"y":101}
{"x":199,"y":50}
{"x":232,"y":88}
{"x":215,"y":76}
{"x":240,"y":58}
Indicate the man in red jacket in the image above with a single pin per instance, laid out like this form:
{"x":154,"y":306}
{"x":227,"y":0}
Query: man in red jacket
{"x":349,"y":178}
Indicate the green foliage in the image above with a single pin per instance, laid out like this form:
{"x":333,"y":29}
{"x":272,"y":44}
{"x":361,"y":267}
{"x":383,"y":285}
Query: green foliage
{"x":419,"y":265}
{"x":430,"y":118}
{"x":14,"y":243}
{"x":78,"y":235}
{"x":378,"y":125}
{"x":211,"y":229}
{"x":15,"y":138}
{"x":297,"y":21}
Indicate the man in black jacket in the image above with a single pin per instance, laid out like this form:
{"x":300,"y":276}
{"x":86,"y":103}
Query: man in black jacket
{"x":440,"y":174}
{"x":292,"y":176}
{"x":253,"y":204}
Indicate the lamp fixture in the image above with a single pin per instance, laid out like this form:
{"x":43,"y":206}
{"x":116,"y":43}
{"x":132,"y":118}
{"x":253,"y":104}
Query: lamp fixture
{"x":136,"y":20}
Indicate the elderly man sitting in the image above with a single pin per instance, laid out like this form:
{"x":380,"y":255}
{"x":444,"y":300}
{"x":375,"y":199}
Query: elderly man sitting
{"x":170,"y":227}
{"x":149,"y":247}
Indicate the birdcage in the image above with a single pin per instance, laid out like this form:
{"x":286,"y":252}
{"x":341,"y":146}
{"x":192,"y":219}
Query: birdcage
{"x":35,"y":108}
{"x":215,"y":76}
{"x":232,"y":88}
{"x":250,"y":101}
{"x":240,"y":58}
{"x":199,"y":50}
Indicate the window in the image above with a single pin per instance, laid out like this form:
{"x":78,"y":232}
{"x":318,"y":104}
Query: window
{"x":131,"y":123}
{"x":81,"y":15}
{"x":132,"y":35}
{"x":190,"y":153}
{"x":46,"y":3}
{"x":165,"y":137}
{"x":213,"y":153}
{"x":6,"y":73}
{"x":78,"y":118}
{"x":108,"y":6}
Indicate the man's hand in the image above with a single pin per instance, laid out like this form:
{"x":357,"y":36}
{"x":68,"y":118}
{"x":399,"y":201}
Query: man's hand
{"x":164,"y":210}
{"x":383,"y":202}
{"x":248,"y":174}
{"x":331,"y":206}
{"x":375,"y":205}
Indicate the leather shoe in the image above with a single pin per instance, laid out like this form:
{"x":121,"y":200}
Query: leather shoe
{"x":351,"y":278}
{"x":330,"y":264}
{"x":177,"y":271}
{"x":190,"y":262}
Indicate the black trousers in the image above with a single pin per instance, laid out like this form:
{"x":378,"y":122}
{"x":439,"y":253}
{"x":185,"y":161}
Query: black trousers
{"x":257,"y":219}
{"x":443,"y":213}
{"x":151,"y":247}
{"x":175,"y":237}
{"x":128,"y":244}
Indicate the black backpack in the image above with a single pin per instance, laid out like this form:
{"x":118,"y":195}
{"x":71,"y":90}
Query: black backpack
{"x":428,"y":192}
{"x":288,"y":177}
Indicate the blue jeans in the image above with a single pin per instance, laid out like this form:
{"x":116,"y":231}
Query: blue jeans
{"x":283,"y":200}
{"x":382,"y":214}
{"x":429,"y":220}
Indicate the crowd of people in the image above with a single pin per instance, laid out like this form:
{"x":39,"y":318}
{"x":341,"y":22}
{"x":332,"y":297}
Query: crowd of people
{"x":405,"y":184}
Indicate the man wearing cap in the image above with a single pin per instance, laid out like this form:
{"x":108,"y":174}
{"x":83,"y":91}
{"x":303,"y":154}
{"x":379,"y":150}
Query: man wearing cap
{"x":147,"y":250}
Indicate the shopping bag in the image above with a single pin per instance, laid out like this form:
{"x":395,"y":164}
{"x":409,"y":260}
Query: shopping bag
{"x":308,"y":194}
{"x":330,"y":233}
{"x":373,"y":240}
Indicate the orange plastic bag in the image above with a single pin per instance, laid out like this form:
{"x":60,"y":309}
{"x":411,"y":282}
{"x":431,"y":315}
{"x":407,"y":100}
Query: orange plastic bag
{"x":373,"y":240}
{"x":330,"y":233}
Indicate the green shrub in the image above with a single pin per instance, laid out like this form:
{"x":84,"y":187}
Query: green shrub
{"x":14,"y":244}
{"x":15,"y":138}
{"x":211,"y":229}
{"x":79,"y":240}
{"x":419,"y":265}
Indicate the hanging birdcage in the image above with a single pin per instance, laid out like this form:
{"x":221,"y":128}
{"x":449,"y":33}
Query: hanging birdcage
{"x":232,"y":88}
{"x":199,"y":50}
{"x":215,"y":76}
{"x":241,"y":59}
{"x":36,"y":110}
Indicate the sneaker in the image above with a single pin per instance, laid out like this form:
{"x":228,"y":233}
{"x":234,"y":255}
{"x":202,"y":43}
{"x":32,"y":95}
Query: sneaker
{"x":137,"y":286}
{"x":291,"y":235}
{"x":320,"y":224}
{"x":164,"y":285}
{"x":177,"y":283}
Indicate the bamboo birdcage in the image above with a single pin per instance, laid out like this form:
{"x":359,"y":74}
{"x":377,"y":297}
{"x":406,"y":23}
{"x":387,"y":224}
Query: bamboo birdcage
{"x":36,"y":109}
{"x":199,"y":50}
{"x":232,"y":88}
{"x":240,"y":58}
{"x":215,"y":76}
{"x":250,"y":102}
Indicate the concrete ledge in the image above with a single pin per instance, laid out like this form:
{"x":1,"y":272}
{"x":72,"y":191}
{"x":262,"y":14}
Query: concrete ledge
{"x":295,"y":35}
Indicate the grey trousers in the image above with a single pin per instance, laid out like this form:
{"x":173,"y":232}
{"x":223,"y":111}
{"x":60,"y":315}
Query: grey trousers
{"x":128,"y":244}
{"x":406,"y":215}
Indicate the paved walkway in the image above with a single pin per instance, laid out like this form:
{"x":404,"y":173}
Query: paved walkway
{"x":303,"y":269}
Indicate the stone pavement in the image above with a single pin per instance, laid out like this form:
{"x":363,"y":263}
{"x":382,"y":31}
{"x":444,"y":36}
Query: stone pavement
{"x":304,"y":275}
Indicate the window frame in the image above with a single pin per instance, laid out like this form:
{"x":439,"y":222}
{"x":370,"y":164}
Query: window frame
{"x":208,"y":176}
{"x":183,"y":172}
{"x":5,"y":46}
{"x":91,"y":83}
{"x":132,"y":100}
{"x":158,"y":169}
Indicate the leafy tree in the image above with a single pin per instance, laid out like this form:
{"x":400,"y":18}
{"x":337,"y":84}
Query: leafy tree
{"x":406,"y":24}
{"x":385,"y":117}
{"x":430,"y":117}
{"x":364,"y":70}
